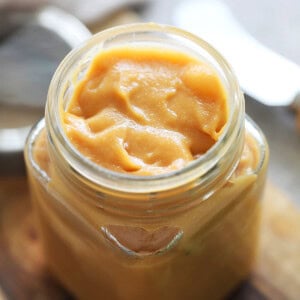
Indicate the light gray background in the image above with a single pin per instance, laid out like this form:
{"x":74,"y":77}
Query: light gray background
{"x":275,"y":23}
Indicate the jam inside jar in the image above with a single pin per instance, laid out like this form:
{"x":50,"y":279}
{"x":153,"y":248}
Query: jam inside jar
{"x":187,"y":234}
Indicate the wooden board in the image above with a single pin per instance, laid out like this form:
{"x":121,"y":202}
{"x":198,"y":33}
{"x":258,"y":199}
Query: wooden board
{"x":23,"y":268}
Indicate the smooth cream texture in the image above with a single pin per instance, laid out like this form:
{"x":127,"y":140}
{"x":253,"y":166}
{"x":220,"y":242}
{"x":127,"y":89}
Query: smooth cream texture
{"x":146,"y":111}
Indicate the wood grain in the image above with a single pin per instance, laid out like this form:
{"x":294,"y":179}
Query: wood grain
{"x":23,"y":268}
{"x":277,"y":273}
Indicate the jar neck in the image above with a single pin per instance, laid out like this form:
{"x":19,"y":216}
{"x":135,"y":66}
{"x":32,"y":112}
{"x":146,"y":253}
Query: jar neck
{"x":200,"y":178}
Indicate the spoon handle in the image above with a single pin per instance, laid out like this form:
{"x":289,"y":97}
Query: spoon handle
{"x":263,"y":74}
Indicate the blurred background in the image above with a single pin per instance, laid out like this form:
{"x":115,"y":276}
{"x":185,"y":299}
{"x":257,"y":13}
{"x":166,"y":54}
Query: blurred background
{"x":276,"y":24}
{"x":34,"y":37}
{"x":31,"y":47}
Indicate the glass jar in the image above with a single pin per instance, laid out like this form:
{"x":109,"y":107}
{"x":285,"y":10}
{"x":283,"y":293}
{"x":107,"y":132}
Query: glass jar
{"x":187,"y":234}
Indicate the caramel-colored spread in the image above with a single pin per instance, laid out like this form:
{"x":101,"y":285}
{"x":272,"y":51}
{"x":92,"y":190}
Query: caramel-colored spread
{"x":219,"y":238}
{"x":146,"y":111}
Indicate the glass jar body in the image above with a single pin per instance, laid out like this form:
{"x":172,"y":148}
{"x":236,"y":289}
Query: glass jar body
{"x":187,"y":235}
{"x":215,"y":252}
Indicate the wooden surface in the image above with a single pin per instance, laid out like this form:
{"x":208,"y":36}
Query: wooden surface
{"x":23,"y":270}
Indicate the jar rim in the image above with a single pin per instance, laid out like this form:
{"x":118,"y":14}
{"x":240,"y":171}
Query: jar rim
{"x":98,"y":175}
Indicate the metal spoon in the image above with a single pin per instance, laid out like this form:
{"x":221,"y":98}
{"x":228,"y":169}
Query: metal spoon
{"x":263,"y":74}
{"x":29,"y":56}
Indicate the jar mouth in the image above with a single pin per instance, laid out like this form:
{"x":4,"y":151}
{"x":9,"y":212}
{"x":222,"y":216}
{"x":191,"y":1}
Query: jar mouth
{"x":96,"y":174}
